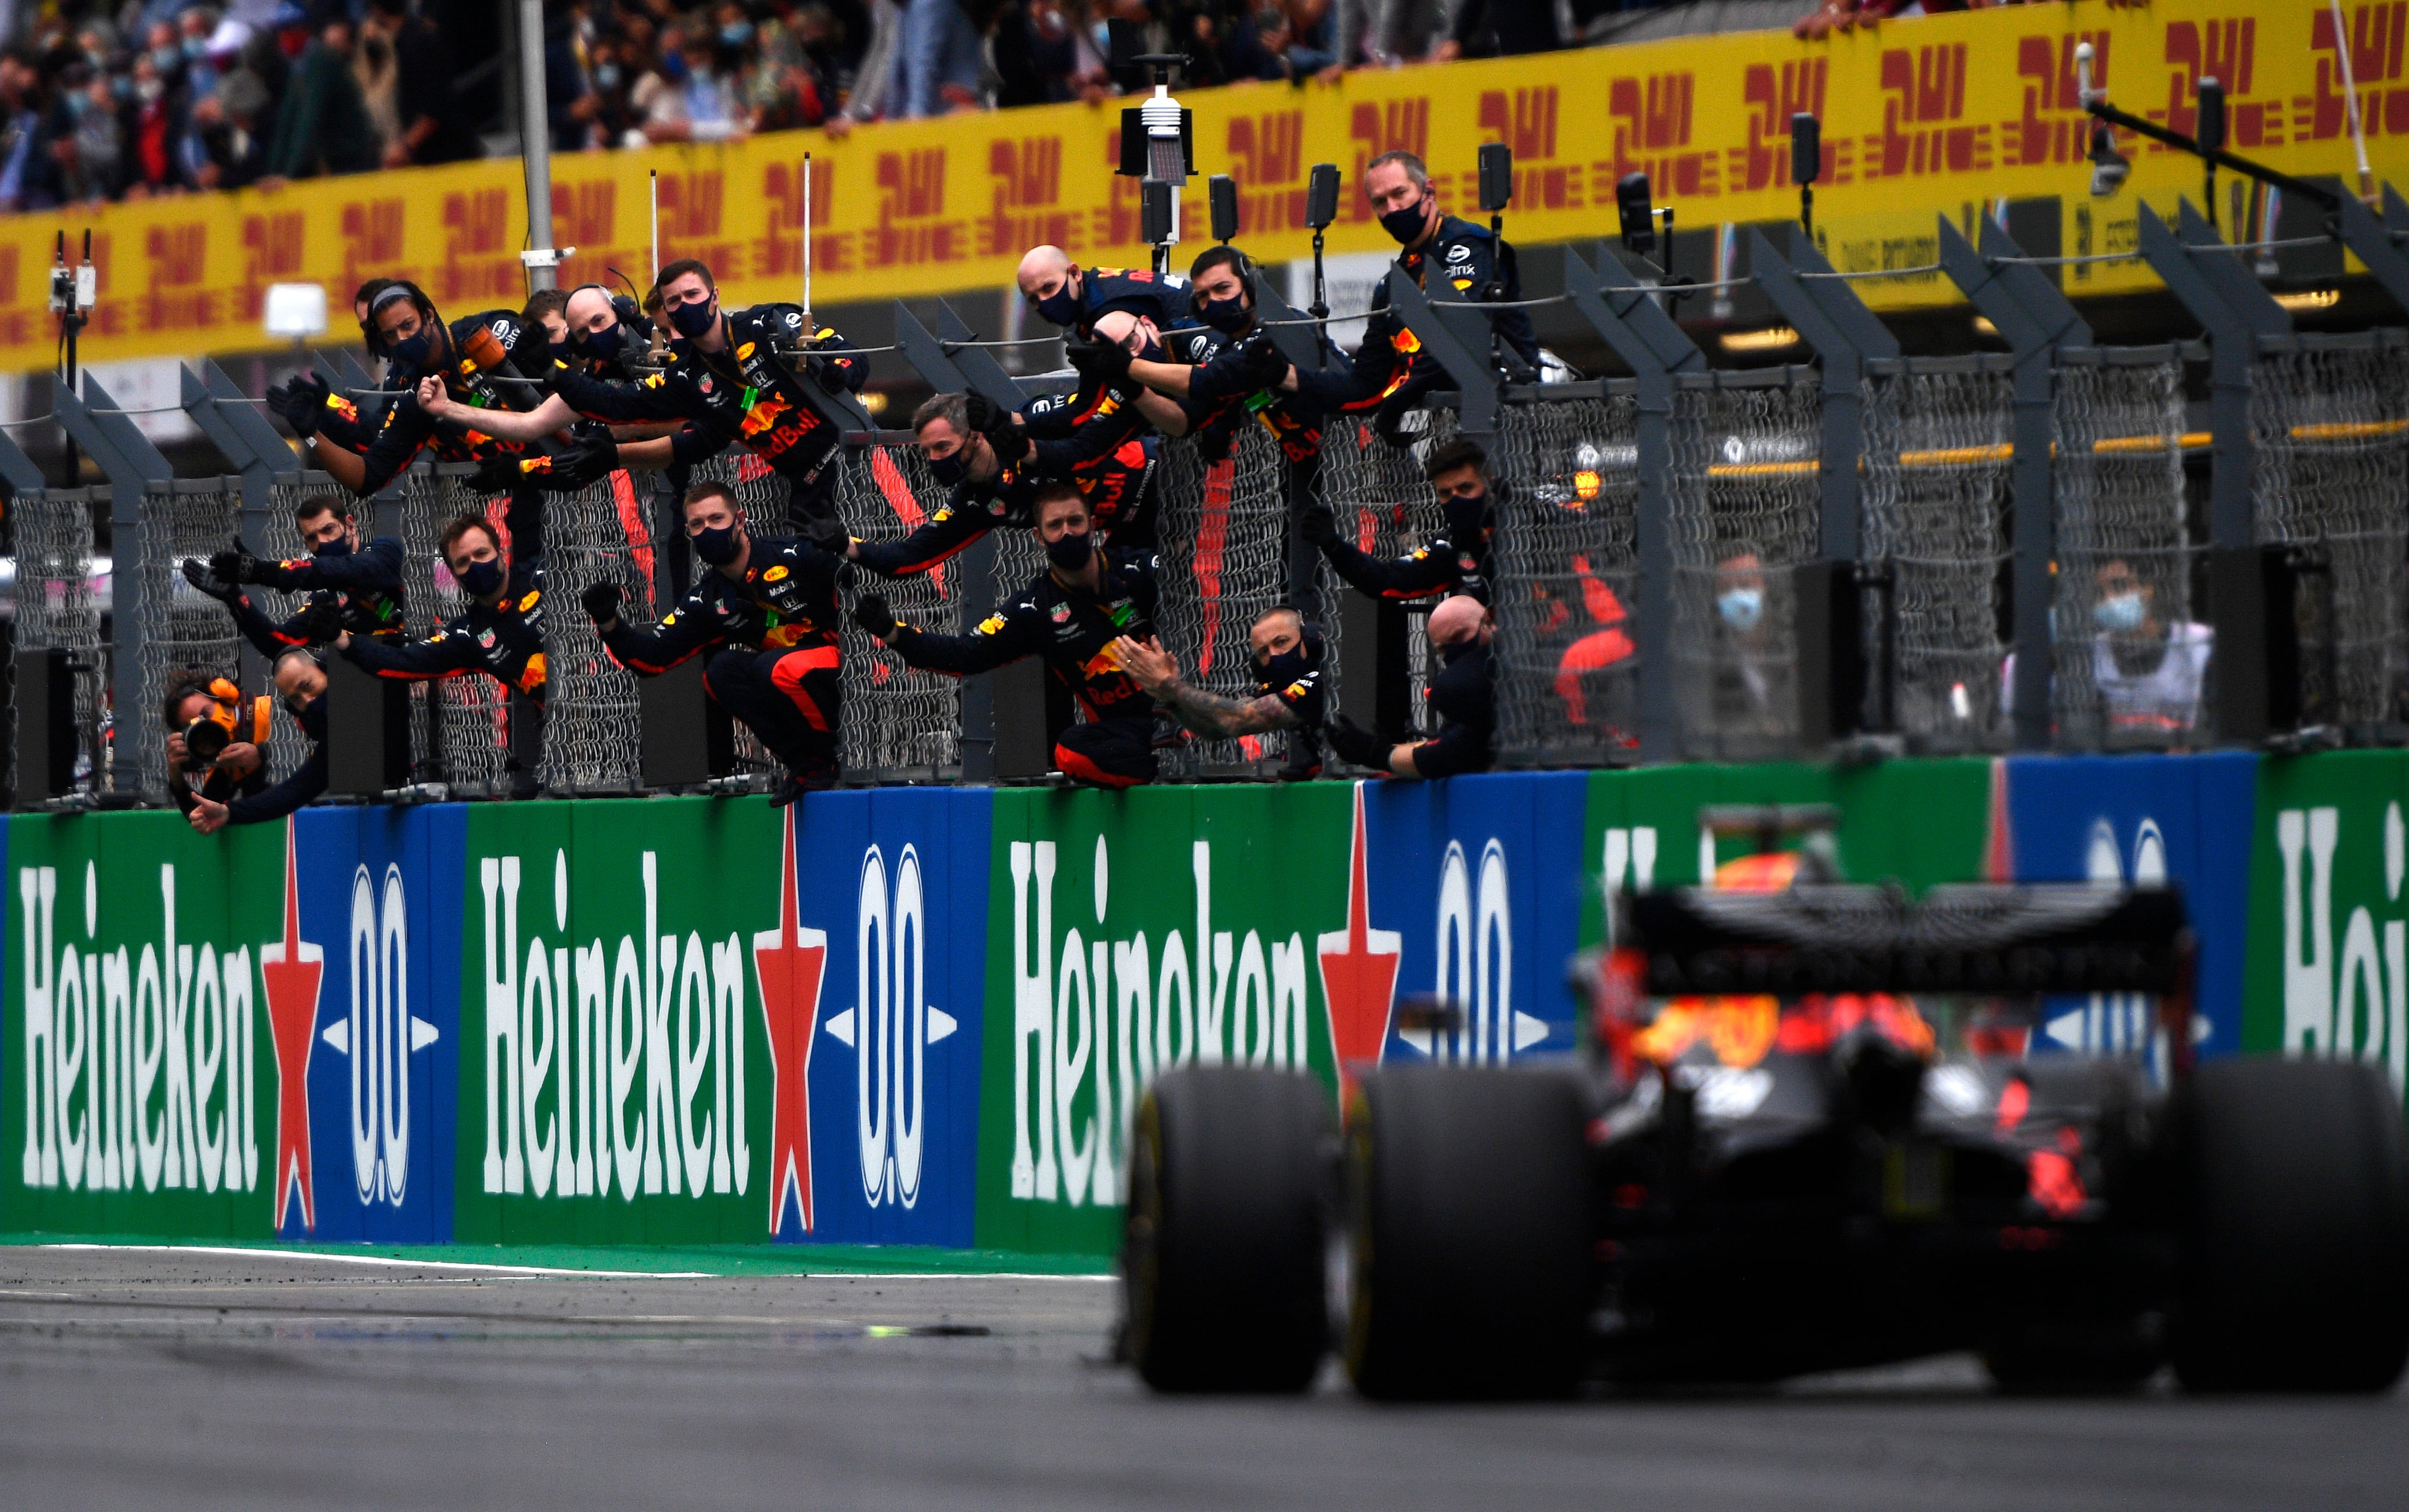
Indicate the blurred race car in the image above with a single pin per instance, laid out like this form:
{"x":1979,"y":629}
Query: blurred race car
{"x":1811,"y":1126}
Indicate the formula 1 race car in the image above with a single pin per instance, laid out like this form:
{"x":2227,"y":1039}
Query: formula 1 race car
{"x":1810,"y":1128}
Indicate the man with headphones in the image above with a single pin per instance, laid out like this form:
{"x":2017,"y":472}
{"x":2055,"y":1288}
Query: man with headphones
{"x":474,"y":364}
{"x":215,"y":735}
{"x":301,"y":687}
{"x":727,"y":371}
{"x":1285,"y":664}
{"x":1231,"y":373}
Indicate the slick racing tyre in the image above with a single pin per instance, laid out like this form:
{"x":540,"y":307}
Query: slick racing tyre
{"x":1224,"y":1254}
{"x":2294,"y":1212}
{"x":1468,"y":1196}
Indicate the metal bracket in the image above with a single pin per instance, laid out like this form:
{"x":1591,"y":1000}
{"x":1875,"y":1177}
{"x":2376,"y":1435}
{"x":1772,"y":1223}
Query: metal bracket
{"x":1301,"y":345}
{"x":2235,"y":284}
{"x":977,"y":364}
{"x":1842,"y":397}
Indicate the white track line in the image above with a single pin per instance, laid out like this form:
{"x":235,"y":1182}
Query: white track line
{"x":374,"y":1259}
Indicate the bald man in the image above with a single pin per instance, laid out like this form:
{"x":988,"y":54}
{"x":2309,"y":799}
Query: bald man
{"x":1460,"y":629}
{"x":1072,"y":296}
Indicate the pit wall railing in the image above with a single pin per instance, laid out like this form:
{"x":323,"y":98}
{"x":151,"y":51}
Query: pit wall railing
{"x":610,"y":1023}
{"x":1870,"y":551}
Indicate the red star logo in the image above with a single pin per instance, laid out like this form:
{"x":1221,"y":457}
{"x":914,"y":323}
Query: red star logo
{"x":1359,"y":973}
{"x":788,"y":960}
{"x":290,"y":970}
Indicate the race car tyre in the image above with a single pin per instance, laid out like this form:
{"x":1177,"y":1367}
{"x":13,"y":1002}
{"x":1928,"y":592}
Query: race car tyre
{"x":1471,"y":1272}
{"x":2295,"y":1220}
{"x":2084,"y":1357}
{"x":1224,"y":1257}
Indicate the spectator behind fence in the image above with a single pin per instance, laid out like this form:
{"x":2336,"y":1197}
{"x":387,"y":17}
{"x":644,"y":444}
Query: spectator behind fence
{"x":321,"y":126}
{"x":426,"y":110}
{"x":213,"y":734}
{"x":1459,"y":694}
{"x":2151,"y":676}
{"x":1749,"y":677}
{"x":301,"y":687}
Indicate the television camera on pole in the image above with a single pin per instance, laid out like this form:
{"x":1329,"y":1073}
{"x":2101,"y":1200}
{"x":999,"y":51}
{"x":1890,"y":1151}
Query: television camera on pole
{"x":1158,"y":143}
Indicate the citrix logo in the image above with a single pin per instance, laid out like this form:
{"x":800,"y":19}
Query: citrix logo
{"x":891,"y":1027}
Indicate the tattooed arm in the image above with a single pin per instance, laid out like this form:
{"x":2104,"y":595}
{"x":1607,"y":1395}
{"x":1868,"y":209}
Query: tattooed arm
{"x":1209,"y":714}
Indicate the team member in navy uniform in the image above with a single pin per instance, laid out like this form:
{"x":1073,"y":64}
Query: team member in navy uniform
{"x":347,"y":585}
{"x":1285,"y":663}
{"x":500,"y":634}
{"x":301,"y":685}
{"x":1060,"y":291}
{"x":1088,"y":599}
{"x":1230,"y":373}
{"x":722,"y":371}
{"x":769,"y":608}
{"x":1461,"y":696}
{"x":967,"y":439}
{"x":1392,"y":373}
{"x":469,"y":367}
{"x":1454,"y":561}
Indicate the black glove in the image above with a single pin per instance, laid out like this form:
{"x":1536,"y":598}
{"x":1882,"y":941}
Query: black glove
{"x":1213,"y":445}
{"x":1389,"y":421}
{"x":985,"y":415}
{"x":496,"y":475}
{"x":302,"y":402}
{"x":197,"y":573}
{"x":1263,"y":363}
{"x":1318,"y":526}
{"x":1099,"y":361}
{"x":871,"y":613}
{"x":581,"y":462}
{"x":320,"y":619}
{"x":835,"y":374}
{"x":1354,"y":744}
{"x":827,"y":532}
{"x":602,"y":601}
{"x":236,"y":565}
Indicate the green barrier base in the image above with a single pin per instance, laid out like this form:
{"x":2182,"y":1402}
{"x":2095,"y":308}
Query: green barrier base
{"x":712,"y":1259}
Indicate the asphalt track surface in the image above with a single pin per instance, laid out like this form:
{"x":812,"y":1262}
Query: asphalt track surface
{"x":187,"y":1378}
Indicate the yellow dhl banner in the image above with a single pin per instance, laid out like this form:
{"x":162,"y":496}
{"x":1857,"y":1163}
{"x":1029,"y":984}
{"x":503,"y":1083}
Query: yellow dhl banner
{"x":1942,"y":114}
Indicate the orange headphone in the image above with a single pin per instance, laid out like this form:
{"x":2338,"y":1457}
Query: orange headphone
{"x":224,"y":714}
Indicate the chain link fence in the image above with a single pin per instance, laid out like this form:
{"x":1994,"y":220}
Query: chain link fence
{"x":2125,"y":554}
{"x":1742,"y":507}
{"x":50,"y":531}
{"x":2329,"y":429}
{"x":1384,"y":507}
{"x":183,"y":627}
{"x":1934,"y":516}
{"x":900,"y":724}
{"x":1223,"y":529}
{"x":1565,"y":562}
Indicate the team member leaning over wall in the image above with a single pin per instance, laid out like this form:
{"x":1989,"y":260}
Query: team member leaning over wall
{"x":1461,"y":696}
{"x":1286,"y":666}
{"x":1090,"y":597}
{"x":345,"y":584}
{"x":301,"y":683}
{"x":768,"y":608}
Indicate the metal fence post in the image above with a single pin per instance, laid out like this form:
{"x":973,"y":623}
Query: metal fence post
{"x":132,"y":464}
{"x":1622,"y":311}
{"x":1476,"y":384}
{"x":2035,"y":318}
{"x":1841,"y":410}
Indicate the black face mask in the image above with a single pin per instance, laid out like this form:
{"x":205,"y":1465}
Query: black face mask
{"x":413,"y":353}
{"x":295,"y":705}
{"x":599,"y":346}
{"x":480,"y":580}
{"x":1062,"y":307}
{"x":339,"y":546}
{"x":1227,"y":316}
{"x":1277,"y":672}
{"x":951,"y":469}
{"x":695,"y":320}
{"x":1071,"y":552}
{"x":717,"y":547}
{"x":1459,"y":650}
{"x":1466,"y":520}
{"x":1404,"y":225}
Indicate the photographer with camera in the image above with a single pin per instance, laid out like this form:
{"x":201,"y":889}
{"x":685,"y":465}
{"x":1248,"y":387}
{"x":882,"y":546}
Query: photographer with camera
{"x":215,"y":738}
{"x":301,"y":687}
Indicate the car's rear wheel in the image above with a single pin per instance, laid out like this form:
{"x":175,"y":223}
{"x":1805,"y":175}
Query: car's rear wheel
{"x":2079,"y":1357}
{"x":1471,"y":1270}
{"x":2294,"y":1212}
{"x":1225,"y":1242}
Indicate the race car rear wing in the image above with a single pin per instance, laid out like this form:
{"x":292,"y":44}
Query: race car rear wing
{"x":1982,"y":940}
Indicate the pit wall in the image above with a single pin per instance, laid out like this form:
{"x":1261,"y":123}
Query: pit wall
{"x":924,"y":1017}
